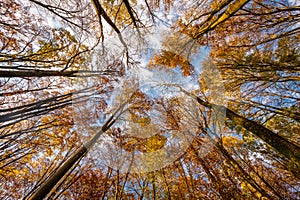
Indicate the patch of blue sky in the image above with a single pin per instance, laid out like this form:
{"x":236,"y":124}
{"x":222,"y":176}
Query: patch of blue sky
{"x":198,"y":58}
{"x":158,"y":83}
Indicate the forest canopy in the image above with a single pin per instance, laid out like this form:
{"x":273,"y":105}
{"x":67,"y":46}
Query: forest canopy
{"x":130,"y":99}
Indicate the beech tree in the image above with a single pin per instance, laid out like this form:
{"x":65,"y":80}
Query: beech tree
{"x":126,"y":99}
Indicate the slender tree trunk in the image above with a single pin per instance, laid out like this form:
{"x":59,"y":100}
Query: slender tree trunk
{"x":101,"y":12}
{"x":166,"y":183}
{"x":48,"y":185}
{"x":238,"y":168}
{"x":36,"y":73}
{"x":47,"y":73}
{"x":109,"y":172}
{"x":153,"y":187}
{"x":215,"y":181}
{"x":232,"y":8}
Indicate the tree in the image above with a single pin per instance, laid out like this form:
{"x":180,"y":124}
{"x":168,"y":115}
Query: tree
{"x":149,"y":99}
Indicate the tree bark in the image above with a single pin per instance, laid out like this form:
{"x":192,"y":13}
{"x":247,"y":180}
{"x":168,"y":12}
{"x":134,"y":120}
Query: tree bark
{"x":47,"y":186}
{"x":290,"y":150}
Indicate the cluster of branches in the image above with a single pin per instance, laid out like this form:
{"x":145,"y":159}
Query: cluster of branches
{"x":244,"y":58}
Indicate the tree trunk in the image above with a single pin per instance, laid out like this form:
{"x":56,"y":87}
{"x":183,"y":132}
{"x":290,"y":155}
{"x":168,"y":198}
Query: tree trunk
{"x":290,"y":150}
{"x":47,"y":186}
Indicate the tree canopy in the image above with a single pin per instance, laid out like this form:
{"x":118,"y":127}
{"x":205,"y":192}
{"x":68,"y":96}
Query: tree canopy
{"x":126,"y":99}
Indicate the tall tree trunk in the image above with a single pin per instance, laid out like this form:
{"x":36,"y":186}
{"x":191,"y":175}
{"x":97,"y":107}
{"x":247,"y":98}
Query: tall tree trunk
{"x":47,"y":186}
{"x":289,"y":150}
{"x":233,"y":7}
{"x":36,"y":73}
{"x":47,"y":73}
